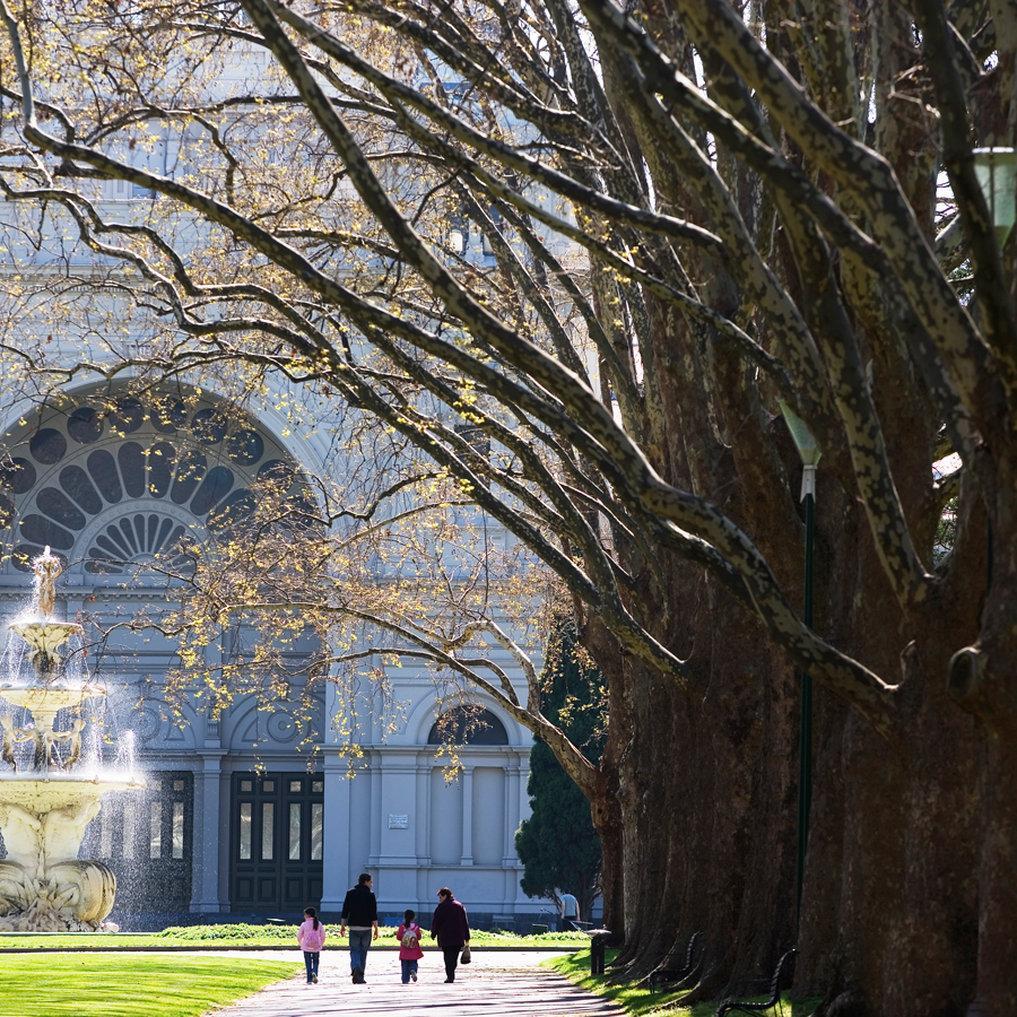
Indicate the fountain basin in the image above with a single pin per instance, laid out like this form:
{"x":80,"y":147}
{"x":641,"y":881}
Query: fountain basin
{"x":45,"y":635}
{"x":47,"y":699}
{"x":43,"y":818}
{"x":61,"y":791}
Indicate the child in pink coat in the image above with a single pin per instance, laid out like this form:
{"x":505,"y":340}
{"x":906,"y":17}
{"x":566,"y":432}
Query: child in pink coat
{"x":408,"y":935}
{"x":311,"y":937}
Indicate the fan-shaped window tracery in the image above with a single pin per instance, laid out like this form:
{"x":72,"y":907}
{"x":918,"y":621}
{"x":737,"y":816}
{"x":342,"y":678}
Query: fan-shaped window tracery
{"x":112,"y":484}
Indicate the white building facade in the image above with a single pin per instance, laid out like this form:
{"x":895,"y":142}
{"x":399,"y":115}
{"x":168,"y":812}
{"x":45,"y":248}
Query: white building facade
{"x":251,"y":812}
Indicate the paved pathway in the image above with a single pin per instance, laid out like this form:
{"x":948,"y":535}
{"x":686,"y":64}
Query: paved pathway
{"x":494,"y":985}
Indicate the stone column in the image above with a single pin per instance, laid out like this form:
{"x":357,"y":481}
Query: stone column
{"x":425,"y":763}
{"x":397,"y":857}
{"x":207,"y":811}
{"x":467,"y":780}
{"x":510,"y":861}
{"x":335,"y":843}
{"x":511,"y":812}
{"x":375,"y":762}
{"x":335,"y":848}
{"x":522,"y":811}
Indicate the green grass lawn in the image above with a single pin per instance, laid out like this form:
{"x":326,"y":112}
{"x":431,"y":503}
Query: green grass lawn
{"x":128,"y":985}
{"x":217,"y":936}
{"x":645,"y":1002}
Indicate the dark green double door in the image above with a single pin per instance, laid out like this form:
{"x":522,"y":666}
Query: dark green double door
{"x":276,"y":833}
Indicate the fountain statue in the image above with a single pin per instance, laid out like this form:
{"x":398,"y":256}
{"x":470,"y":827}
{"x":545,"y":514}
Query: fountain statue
{"x":47,"y":796}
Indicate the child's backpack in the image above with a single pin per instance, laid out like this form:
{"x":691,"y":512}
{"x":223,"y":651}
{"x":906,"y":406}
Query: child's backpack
{"x":410,"y":940}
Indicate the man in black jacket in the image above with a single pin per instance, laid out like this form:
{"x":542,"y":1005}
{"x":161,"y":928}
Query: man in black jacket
{"x":360,"y":914}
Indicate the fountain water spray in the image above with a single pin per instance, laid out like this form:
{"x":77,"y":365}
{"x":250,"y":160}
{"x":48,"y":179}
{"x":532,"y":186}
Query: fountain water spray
{"x":51,"y":789}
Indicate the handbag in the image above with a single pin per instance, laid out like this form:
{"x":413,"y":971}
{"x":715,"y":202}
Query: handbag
{"x":465,"y":959}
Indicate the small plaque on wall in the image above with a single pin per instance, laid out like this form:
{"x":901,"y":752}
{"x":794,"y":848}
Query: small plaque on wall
{"x":398,"y":822}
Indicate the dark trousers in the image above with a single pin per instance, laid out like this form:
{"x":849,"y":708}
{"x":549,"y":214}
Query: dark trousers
{"x":409,"y":969}
{"x":311,"y":962}
{"x":360,"y":943}
{"x":451,"y":960}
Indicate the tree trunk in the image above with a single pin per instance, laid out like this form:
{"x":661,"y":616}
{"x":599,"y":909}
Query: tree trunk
{"x":608,"y":822}
{"x":890,"y":894}
{"x":705,"y":806}
{"x":993,"y":695}
{"x":996,"y":987}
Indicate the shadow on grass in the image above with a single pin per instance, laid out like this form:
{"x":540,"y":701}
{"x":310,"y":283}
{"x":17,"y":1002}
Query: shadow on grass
{"x":649,"y":1002}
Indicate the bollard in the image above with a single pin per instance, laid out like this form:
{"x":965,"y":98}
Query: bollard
{"x":598,"y":944}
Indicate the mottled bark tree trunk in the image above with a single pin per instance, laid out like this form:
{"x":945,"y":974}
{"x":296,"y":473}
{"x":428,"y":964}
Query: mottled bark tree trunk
{"x":890,"y":915}
{"x":984,"y":682}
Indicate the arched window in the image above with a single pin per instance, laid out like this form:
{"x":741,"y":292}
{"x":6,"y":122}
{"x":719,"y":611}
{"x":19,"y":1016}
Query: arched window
{"x":117,"y":480}
{"x":468,"y":727}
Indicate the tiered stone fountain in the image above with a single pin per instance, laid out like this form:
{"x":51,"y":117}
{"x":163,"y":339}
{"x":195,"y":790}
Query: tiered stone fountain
{"x":48,"y":792}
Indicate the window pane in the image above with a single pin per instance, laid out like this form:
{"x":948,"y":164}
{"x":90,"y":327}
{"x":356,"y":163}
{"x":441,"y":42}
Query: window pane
{"x":155,"y":829}
{"x":294,"y":831}
{"x":267,"y":830}
{"x":247,"y":785}
{"x":245,"y":830}
{"x":316,"y":810}
{"x":318,"y":786}
{"x":268,"y":785}
{"x":295,"y":787}
{"x":178,"y":829}
{"x":178,"y":785}
{"x":128,"y":844}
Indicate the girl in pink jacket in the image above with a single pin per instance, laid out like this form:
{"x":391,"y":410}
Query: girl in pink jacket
{"x":311,"y":937}
{"x":408,"y":935}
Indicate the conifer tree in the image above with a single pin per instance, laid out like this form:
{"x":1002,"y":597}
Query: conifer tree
{"x":557,"y":843}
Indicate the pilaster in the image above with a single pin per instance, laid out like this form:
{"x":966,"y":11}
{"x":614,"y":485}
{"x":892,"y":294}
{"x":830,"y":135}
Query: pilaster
{"x":205,"y":882}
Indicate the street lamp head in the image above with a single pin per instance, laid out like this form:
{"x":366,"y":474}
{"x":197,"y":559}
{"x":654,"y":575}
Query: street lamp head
{"x":808,"y":448}
{"x":805,"y":441}
{"x":996,"y":171}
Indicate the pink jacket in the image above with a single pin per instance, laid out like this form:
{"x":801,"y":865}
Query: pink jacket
{"x":404,"y":953}
{"x":310,"y":938}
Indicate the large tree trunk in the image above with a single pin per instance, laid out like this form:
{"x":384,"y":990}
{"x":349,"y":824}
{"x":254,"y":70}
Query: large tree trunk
{"x":996,"y":987}
{"x":890,"y":897}
{"x":706,"y":799}
{"x":609,"y":823}
{"x":984,"y":679}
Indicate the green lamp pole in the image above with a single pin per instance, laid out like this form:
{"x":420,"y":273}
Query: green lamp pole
{"x":809,"y":452}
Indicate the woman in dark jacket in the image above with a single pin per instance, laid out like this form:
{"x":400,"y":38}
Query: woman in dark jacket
{"x":451,"y":928}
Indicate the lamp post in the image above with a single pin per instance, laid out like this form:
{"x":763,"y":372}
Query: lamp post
{"x":996,"y":172}
{"x":809,"y":453}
